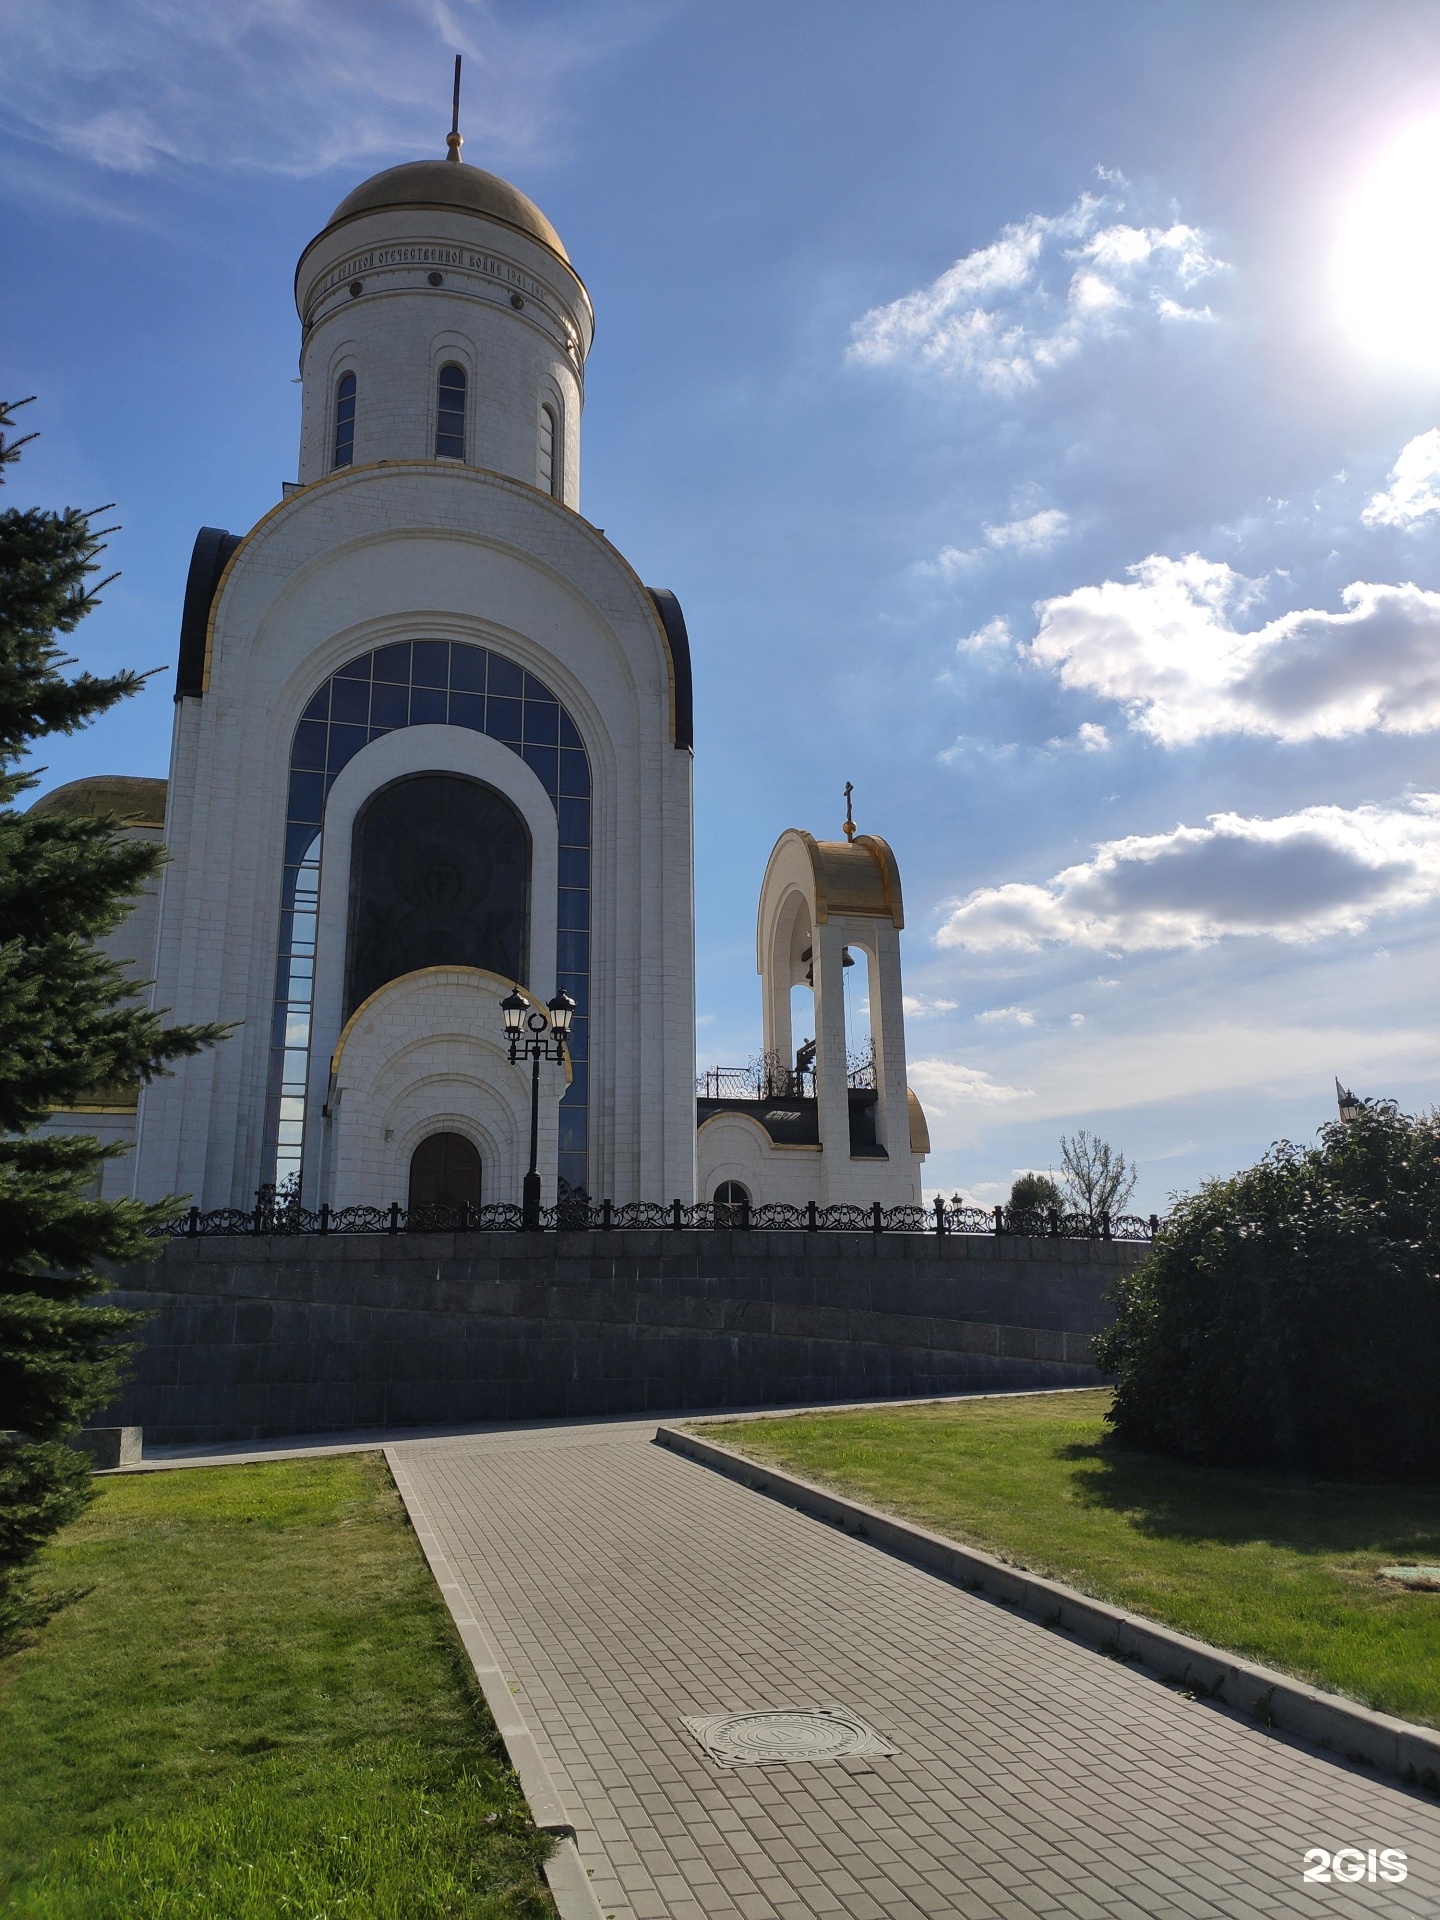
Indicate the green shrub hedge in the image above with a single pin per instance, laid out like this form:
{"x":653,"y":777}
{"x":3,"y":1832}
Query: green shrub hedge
{"x":1290,"y":1316}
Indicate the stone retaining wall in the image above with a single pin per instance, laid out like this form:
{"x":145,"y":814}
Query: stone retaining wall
{"x":251,"y":1337}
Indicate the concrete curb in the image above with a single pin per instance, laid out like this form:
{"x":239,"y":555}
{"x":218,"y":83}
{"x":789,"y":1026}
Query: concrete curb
{"x":570,"y":1885}
{"x":1290,"y":1706}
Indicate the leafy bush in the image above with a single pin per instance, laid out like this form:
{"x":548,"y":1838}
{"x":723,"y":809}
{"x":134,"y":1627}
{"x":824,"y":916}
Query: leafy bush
{"x":1290,"y":1316}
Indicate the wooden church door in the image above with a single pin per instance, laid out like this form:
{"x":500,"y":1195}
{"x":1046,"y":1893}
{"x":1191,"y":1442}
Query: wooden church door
{"x":445,"y":1172}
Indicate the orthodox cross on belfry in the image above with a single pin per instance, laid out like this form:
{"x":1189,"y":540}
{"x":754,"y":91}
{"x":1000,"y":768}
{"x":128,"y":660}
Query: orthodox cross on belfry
{"x":452,"y":139}
{"x":849,"y":817}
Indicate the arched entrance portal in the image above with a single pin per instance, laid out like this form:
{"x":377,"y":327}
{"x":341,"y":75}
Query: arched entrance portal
{"x":444,"y":1172}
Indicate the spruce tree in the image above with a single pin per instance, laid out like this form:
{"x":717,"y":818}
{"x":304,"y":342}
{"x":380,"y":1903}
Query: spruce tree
{"x":70,"y":1020}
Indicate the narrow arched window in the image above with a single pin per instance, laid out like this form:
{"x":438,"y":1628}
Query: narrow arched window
{"x":549,"y":466}
{"x":732,"y":1204}
{"x":344,"y":422}
{"x":450,"y":414}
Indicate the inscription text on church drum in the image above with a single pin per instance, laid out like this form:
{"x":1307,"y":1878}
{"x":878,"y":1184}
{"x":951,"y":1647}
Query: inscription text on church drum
{"x":429,"y":254}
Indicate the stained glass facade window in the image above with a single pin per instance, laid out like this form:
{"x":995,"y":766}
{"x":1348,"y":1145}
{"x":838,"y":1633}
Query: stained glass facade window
{"x":425,"y":682}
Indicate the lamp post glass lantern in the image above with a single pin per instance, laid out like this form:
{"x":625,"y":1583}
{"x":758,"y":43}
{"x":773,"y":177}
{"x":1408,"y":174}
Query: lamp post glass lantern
{"x":535,"y":1036}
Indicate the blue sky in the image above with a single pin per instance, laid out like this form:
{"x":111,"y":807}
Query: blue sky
{"x":1033,"y":405}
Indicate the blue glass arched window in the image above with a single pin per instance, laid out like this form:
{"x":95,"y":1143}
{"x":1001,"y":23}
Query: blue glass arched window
{"x":425,"y":683}
{"x":344,"y":422}
{"x":450,"y":414}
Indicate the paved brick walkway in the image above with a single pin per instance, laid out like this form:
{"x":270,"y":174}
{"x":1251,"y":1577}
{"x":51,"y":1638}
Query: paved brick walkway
{"x":624,"y":1588}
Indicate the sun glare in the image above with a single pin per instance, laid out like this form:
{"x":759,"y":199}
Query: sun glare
{"x":1387,"y":266}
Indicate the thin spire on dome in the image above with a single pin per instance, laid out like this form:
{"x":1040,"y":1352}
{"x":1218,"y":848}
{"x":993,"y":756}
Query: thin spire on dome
{"x":850,"y":828}
{"x":453,"y":139}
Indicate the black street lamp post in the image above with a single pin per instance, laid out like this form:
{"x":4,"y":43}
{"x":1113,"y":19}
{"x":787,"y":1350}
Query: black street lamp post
{"x":533,"y":1037}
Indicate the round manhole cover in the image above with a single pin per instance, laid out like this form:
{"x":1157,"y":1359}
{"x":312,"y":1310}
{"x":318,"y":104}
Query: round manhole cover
{"x":785,"y":1736}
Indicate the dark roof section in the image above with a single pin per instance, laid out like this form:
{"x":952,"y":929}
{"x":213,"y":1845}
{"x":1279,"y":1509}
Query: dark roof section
{"x":789,"y":1123}
{"x":213,"y":548}
{"x":795,"y":1122}
{"x":673,"y":621}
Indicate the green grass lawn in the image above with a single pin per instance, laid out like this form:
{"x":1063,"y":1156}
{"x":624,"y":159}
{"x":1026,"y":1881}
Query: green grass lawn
{"x":251,"y":1704}
{"x":1279,"y":1569}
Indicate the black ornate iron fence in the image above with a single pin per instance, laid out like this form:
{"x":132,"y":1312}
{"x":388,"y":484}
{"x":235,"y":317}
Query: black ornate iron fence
{"x":579,"y":1215}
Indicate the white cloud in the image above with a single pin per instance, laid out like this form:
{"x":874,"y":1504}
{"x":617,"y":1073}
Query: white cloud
{"x":1091,"y":1072}
{"x":950,"y":561}
{"x":917,"y":1009}
{"x":1077,"y":1019}
{"x":971,"y":746}
{"x":944,"y":1085}
{"x":1089,"y":737}
{"x":994,"y":634}
{"x":1009,"y":312}
{"x":1037,"y":533}
{"x":1322,"y":870}
{"x":1032,"y":535}
{"x":1172,"y":310}
{"x":1414,"y":488}
{"x":291,"y":86}
{"x":1164,"y":644}
{"x":1014,"y":1016}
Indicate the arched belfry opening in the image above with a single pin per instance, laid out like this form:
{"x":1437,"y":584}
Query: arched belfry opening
{"x":444,"y":1172}
{"x":440,"y":877}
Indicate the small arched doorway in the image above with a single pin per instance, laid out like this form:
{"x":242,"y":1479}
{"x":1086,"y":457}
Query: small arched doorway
{"x":444,"y":1172}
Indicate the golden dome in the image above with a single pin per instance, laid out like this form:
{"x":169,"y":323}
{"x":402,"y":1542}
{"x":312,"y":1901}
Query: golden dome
{"x":856,"y":876}
{"x":135,"y":802}
{"x":443,"y":183}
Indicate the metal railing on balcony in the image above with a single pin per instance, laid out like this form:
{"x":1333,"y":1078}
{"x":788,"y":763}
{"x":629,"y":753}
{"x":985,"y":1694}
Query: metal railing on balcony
{"x":768,"y":1078}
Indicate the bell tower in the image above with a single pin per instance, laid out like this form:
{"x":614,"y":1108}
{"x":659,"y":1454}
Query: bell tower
{"x":827,"y":1127}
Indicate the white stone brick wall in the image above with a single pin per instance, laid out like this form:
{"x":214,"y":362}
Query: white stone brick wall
{"x":732,"y":1146}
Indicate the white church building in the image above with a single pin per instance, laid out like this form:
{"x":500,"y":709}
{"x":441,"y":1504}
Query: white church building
{"x":433,"y":740}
